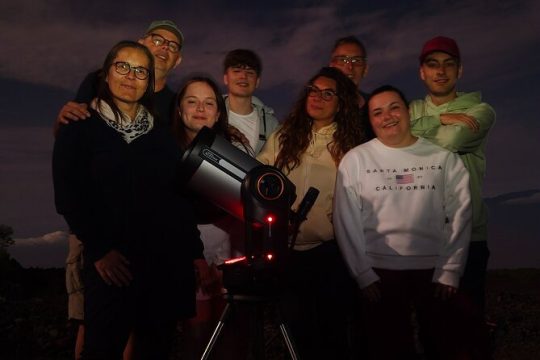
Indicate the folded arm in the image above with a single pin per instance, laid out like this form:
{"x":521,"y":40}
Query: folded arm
{"x":458,"y":132}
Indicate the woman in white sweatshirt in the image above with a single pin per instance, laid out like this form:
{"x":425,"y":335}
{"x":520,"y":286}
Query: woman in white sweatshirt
{"x":402,"y":218}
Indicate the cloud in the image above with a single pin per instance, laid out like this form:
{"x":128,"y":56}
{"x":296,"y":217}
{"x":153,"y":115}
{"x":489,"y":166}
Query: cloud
{"x":55,"y":43}
{"x":530,"y":199}
{"x":49,"y":250}
{"x":54,"y":238}
{"x":61,"y":40}
{"x":513,"y":230}
{"x":26,"y":190}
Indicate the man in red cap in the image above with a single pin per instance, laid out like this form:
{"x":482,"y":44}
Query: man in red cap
{"x":459,"y":122}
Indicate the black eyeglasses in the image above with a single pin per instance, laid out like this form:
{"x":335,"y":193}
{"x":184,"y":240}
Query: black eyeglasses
{"x":159,"y":40}
{"x":326,"y":94}
{"x":124,"y":68}
{"x":353,"y":60}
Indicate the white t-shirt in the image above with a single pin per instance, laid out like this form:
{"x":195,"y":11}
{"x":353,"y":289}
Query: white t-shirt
{"x":248,"y":125}
{"x":217,"y":249}
{"x":217,"y":246}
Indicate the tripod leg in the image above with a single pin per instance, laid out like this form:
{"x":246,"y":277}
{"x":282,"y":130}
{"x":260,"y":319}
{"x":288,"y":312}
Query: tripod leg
{"x":217,"y":332}
{"x":288,"y":341}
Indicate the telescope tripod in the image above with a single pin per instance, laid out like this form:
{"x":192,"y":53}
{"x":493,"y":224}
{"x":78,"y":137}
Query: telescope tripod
{"x":257,"y":341}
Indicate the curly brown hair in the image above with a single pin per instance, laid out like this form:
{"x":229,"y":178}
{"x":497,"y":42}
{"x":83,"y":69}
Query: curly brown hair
{"x":295,"y":134}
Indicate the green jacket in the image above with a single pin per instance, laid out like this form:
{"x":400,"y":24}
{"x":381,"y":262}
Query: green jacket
{"x":458,"y":138}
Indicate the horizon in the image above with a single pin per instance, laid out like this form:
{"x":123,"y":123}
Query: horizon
{"x":514,"y":248}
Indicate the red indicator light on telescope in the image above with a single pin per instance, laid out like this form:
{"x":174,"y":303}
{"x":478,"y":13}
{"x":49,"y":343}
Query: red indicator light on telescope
{"x":270,"y":219}
{"x":235,"y":260}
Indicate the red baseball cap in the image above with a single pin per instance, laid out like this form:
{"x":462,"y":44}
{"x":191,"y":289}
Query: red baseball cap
{"x":440,"y":43}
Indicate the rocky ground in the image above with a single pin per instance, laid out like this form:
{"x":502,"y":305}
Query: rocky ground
{"x":33,"y":316}
{"x":513,"y":304}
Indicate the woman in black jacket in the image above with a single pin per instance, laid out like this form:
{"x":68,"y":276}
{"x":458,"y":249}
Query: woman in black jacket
{"x":115,"y":184}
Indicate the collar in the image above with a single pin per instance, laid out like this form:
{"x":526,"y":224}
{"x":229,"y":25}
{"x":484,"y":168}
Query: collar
{"x":326,"y":130}
{"x":130,"y":130}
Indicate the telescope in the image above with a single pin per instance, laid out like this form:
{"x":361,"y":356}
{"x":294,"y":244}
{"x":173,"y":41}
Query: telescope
{"x":257,"y":194}
{"x":260,"y":196}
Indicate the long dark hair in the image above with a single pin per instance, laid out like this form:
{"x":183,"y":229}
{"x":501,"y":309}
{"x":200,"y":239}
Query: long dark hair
{"x":103,"y":91}
{"x":295,"y":134}
{"x":221,"y":127}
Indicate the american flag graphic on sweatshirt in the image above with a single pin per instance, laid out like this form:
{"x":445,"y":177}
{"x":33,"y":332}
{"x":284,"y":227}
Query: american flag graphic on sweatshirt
{"x":405,"y":179}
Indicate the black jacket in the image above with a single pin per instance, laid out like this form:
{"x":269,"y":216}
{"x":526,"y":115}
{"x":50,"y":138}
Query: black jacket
{"x":121,"y":196}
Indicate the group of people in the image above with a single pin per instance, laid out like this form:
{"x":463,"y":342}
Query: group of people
{"x":398,"y":227}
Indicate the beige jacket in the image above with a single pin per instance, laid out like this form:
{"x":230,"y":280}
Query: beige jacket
{"x":317,"y":169}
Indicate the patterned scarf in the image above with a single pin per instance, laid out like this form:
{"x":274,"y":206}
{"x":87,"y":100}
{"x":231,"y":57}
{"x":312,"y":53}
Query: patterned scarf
{"x":130,"y":130}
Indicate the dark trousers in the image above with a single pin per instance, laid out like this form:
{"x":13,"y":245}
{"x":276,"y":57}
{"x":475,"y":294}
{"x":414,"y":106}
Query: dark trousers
{"x":112,"y":313}
{"x":473,"y":281}
{"x":317,"y":301}
{"x":409,"y":316}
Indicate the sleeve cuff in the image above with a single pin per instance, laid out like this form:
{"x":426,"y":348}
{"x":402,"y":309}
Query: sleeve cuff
{"x":445,"y":277}
{"x":367,"y":278}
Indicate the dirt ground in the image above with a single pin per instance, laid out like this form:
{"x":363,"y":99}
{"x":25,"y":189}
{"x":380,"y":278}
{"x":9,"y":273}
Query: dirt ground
{"x":33,"y":322}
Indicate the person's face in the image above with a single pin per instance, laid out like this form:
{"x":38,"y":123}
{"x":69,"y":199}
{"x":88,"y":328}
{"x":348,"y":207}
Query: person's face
{"x":440,"y":73}
{"x":350,"y":59}
{"x":390,"y":119}
{"x":198,"y":107}
{"x":241,"y":81}
{"x":322,"y":102}
{"x":130,"y":87}
{"x":164,"y":59}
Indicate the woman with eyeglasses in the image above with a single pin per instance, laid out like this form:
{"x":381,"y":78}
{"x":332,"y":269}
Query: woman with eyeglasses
{"x":323,"y":125}
{"x":115,"y":184}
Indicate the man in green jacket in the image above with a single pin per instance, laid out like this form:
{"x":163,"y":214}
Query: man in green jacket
{"x":459,"y":122}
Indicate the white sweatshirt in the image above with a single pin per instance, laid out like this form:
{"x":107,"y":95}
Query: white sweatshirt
{"x":403,"y":209}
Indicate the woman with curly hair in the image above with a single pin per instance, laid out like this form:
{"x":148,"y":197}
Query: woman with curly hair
{"x":324,"y":124}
